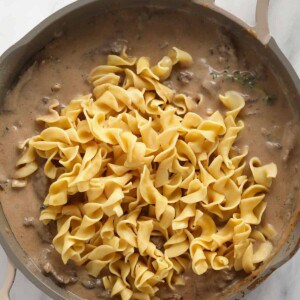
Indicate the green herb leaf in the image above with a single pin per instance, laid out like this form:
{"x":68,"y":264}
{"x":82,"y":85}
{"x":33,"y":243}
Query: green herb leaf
{"x":244,"y":78}
{"x":214,"y":74}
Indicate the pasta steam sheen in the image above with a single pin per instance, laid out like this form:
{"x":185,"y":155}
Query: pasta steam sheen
{"x":132,"y":164}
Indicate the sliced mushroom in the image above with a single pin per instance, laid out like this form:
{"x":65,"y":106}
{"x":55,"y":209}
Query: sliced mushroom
{"x":53,"y":266}
{"x":46,"y":232}
{"x":273,"y":145}
{"x":115,"y":47}
{"x":89,"y":283}
{"x":28,"y":222}
{"x":185,"y":76}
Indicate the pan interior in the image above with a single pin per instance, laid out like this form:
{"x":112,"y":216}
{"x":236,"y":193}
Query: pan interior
{"x":219,"y":48}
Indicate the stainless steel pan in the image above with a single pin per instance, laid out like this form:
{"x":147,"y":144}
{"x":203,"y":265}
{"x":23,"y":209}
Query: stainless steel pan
{"x":14,"y":60}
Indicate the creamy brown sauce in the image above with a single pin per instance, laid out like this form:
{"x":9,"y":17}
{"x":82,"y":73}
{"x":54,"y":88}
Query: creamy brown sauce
{"x":60,"y":72}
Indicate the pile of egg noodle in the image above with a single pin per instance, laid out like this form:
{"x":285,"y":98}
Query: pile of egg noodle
{"x":132,"y":163}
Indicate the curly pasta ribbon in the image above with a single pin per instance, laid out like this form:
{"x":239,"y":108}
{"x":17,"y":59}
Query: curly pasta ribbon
{"x":139,"y":180}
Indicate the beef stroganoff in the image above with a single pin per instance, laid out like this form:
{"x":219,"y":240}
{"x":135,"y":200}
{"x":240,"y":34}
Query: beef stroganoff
{"x":152,"y":158}
{"x":149,"y":167}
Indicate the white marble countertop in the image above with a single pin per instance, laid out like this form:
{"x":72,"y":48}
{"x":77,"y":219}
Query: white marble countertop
{"x":17,"y":17}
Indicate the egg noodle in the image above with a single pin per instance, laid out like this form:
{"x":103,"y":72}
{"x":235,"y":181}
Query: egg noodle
{"x":132,"y":164}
